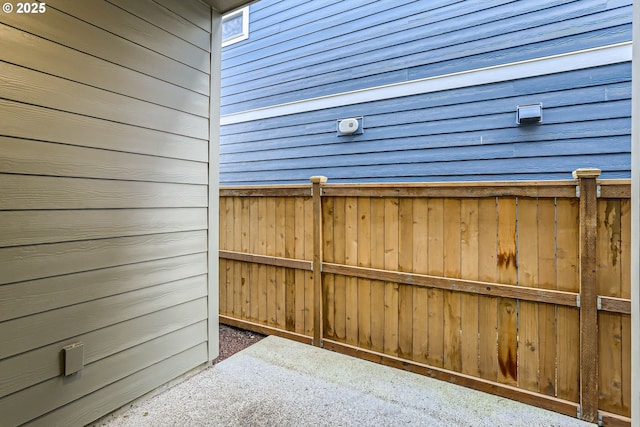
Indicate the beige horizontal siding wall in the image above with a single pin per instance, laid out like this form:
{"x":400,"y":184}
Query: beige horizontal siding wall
{"x":104,"y":165}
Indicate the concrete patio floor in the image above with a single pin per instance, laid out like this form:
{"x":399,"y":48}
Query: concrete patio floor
{"x":278,"y":382}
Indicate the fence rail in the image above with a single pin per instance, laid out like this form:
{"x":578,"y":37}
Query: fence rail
{"x":496,"y":286}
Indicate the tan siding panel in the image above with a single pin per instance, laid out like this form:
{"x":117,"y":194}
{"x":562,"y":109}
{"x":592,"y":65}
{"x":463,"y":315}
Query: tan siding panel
{"x":19,"y":228}
{"x":194,"y":11}
{"x":32,"y":87}
{"x":27,"y":369}
{"x":167,"y":20}
{"x":60,"y":390}
{"x":35,"y":296}
{"x":37,"y":192}
{"x":27,"y":333}
{"x":103,"y":203}
{"x":51,"y":58}
{"x":20,"y":156}
{"x":116,"y":395}
{"x":117,"y":21}
{"x":32,"y":262}
{"x":69,"y":31}
{"x":32,"y":122}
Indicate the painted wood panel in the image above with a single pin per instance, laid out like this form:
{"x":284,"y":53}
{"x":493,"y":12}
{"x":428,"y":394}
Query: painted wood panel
{"x":91,"y":407}
{"x":63,"y":258}
{"x":52,"y":58}
{"x":194,"y":11}
{"x":20,"y":156}
{"x":583,"y":84}
{"x":69,"y":31}
{"x":104,"y":195}
{"x":39,"y":365}
{"x":137,"y":30}
{"x":304,"y":53}
{"x":39,"y":295}
{"x":27,"y":333}
{"x":32,"y":122}
{"x":37,"y":192}
{"x":383,"y":46}
{"x":47,"y":396}
{"x":168,"y":20}
{"x":31,"y":87}
{"x":465,"y":134}
{"x":19,"y":228}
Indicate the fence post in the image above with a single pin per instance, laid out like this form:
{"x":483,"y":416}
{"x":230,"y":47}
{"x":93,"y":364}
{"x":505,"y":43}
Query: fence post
{"x":588,"y":293}
{"x":317,"y":181}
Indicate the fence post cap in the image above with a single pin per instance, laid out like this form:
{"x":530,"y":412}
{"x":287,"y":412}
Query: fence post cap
{"x":586,"y":173}
{"x":318,"y":179}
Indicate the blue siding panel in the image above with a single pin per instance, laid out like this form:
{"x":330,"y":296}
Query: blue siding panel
{"x":524,"y":90}
{"x":331,"y":62}
{"x":466,"y":134}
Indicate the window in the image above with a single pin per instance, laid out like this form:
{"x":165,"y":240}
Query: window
{"x":235,"y":26}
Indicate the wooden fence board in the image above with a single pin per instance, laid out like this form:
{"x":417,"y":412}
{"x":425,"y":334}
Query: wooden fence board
{"x":377,"y":287}
{"x":262,"y":269}
{"x":309,"y":296}
{"x":351,"y":258}
{"x":435,"y":296}
{"x":452,"y":321}
{"x":290,"y":279}
{"x":488,"y":306}
{"x":339,"y":282}
{"x":391,"y":290}
{"x":405,"y":263}
{"x":547,"y":279}
{"x":254,"y":295}
{"x":608,"y":248}
{"x":568,"y":353}
{"x":568,"y":320}
{"x":610,"y":361}
{"x":299,"y":253}
{"x":237,"y":246}
{"x":469,"y":245}
{"x":328,"y":281}
{"x":364,"y":260}
{"x":625,"y":248}
{"x":625,"y":404}
{"x":507,"y":307}
{"x":245,"y":271}
{"x":528,"y":339}
{"x":271,"y":295}
{"x":482,"y":287}
{"x":280,"y":248}
{"x":420,"y":299}
{"x":609,"y":324}
{"x":222,"y":268}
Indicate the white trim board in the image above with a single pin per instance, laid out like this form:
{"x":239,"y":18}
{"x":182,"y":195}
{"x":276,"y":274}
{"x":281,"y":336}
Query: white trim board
{"x":588,"y":58}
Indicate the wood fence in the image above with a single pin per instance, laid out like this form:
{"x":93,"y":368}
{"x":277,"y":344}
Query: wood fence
{"x":520,"y":289}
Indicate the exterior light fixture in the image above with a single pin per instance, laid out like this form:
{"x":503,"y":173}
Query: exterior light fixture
{"x":526,"y":114}
{"x":350,"y":126}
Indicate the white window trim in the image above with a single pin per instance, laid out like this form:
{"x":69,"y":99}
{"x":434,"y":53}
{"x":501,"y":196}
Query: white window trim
{"x":245,"y":25}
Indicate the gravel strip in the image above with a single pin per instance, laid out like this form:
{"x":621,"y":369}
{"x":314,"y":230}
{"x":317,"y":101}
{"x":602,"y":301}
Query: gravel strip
{"x":233,"y":340}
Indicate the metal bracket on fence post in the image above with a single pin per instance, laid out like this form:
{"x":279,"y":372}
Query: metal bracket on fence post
{"x":317,"y":181}
{"x":588,"y":409}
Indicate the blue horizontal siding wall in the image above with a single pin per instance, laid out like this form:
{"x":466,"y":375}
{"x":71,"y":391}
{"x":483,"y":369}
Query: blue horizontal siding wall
{"x":299,"y":52}
{"x":393,"y":41}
